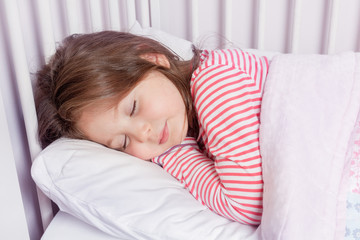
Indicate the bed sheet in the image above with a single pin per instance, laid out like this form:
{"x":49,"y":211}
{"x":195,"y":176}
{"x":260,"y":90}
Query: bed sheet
{"x":352,"y":230}
{"x":65,"y":226}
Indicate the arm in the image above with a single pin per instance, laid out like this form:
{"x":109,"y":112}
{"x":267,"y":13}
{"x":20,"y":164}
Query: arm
{"x":200,"y":176}
{"x":227,"y":176}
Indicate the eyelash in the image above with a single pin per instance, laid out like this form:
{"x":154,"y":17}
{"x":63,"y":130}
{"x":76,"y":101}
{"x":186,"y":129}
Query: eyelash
{"x":124,"y":146}
{"x":133,"y":109}
{"x":131,"y":113}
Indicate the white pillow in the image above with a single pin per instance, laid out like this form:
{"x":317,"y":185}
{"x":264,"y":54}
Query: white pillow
{"x":180,"y":46}
{"x":125,"y":196}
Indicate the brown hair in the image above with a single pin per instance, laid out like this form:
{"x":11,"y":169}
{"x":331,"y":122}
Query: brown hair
{"x":104,"y":65}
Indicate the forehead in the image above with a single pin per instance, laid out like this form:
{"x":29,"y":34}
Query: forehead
{"x":93,"y":112}
{"x":103,"y":104}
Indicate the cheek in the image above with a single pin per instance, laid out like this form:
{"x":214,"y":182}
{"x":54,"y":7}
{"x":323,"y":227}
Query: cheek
{"x":141,"y":151}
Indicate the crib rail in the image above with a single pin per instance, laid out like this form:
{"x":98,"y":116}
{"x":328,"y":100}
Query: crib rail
{"x":32,"y":29}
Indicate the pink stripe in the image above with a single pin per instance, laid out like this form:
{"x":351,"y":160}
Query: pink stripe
{"x":244,"y":190}
{"x":257,"y":206}
{"x":201,"y":81}
{"x":250,"y":65}
{"x":245,"y":197}
{"x":229,"y":126}
{"x":210,"y":90}
{"x":241,"y":174}
{"x":242,"y":213}
{"x":235,"y":105}
{"x":244,"y":59}
{"x":229,"y":155}
{"x":236,"y":131}
{"x":220,"y":96}
{"x":249,"y":212}
{"x":213,"y":185}
{"x":174,"y":163}
{"x":169,"y":163}
{"x":242,"y":182}
{"x":204,"y":178}
{"x":219,"y":131}
{"x":238,"y":139}
{"x":238,"y":166}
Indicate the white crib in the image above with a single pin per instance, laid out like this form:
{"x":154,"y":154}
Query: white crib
{"x":31,"y":29}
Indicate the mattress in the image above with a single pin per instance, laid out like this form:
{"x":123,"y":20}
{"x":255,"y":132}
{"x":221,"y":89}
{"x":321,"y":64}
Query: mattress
{"x":65,"y":226}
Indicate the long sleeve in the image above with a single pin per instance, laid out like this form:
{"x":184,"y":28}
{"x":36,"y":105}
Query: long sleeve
{"x":226,"y":175}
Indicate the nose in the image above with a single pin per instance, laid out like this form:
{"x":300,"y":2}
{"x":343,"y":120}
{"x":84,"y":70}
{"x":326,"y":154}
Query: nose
{"x":142,"y":130}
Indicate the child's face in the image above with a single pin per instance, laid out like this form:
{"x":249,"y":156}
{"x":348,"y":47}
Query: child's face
{"x":147,"y":122}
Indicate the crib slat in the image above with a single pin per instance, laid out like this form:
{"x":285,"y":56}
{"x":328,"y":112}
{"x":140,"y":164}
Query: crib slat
{"x":46,"y":28}
{"x":23,"y":80}
{"x":58,"y":20}
{"x":131,"y":12}
{"x":115,"y":22}
{"x":155,"y":13}
{"x":194,"y":9}
{"x":260,"y":25}
{"x":332,"y":26}
{"x":228,"y":20}
{"x":96,"y":17}
{"x":144,"y":9}
{"x":294,"y":32}
{"x":73,"y":18}
{"x":76,"y":15}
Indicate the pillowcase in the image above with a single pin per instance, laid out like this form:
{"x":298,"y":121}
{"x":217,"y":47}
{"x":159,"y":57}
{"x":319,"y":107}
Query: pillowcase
{"x":125,"y":196}
{"x":180,"y":46}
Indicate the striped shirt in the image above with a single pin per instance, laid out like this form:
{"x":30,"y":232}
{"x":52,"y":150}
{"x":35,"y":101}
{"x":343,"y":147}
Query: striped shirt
{"x":225,"y":174}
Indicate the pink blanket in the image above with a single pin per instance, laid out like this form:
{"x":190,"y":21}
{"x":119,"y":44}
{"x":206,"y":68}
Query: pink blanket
{"x":309,"y":109}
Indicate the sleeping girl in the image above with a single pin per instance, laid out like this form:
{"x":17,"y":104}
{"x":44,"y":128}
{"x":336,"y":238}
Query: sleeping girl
{"x":198,"y":119}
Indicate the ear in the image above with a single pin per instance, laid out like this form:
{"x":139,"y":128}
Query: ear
{"x":157,"y":58}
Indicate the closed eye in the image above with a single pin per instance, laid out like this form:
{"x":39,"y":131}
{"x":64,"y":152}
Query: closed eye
{"x":125,"y":143}
{"x":133,"y":108}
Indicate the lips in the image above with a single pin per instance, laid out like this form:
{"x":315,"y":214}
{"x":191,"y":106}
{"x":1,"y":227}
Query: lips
{"x":164,"y":134}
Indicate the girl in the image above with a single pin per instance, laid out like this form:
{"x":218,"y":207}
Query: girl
{"x":198,"y":119}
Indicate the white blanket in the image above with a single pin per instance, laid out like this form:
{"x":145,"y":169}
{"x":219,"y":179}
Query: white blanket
{"x":309,"y":109}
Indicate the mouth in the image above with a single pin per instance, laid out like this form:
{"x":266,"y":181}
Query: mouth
{"x":164,"y":134}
